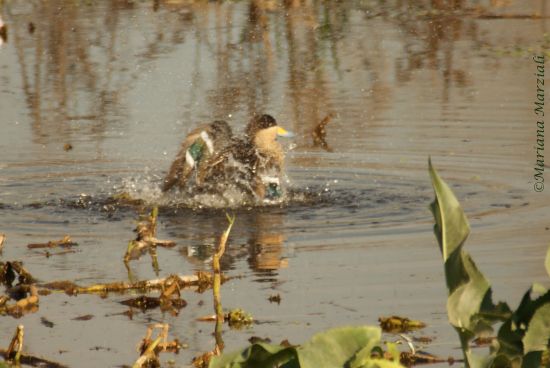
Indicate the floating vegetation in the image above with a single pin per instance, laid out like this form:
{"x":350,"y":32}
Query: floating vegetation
{"x":200,"y":280}
{"x":146,"y":240}
{"x":352,"y":347}
{"x":22,"y":306}
{"x":85,"y":317}
{"x":10,"y":270}
{"x":396,"y":324}
{"x":14,"y":353}
{"x":421,"y":357}
{"x":237,"y":318}
{"x":46,"y":322}
{"x":150,"y":349}
{"x":276,"y":298}
{"x":65,"y":242}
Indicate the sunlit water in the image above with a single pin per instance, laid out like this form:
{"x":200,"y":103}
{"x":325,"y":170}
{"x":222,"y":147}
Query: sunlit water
{"x":123,"y":82}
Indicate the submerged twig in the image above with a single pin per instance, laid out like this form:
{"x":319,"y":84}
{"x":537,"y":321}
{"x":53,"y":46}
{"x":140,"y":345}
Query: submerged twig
{"x":146,"y":239}
{"x":219,"y":317}
{"x":421,"y":357}
{"x":202,"y":280}
{"x":35,"y":361}
{"x":16,"y":345}
{"x":150,"y":349}
{"x":216,"y":269}
{"x":65,"y":242}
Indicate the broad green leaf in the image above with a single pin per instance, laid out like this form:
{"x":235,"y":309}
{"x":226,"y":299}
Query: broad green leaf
{"x":482,"y":361}
{"x":465,"y":301}
{"x":258,"y":355}
{"x":451,"y":226}
{"x":393,"y":351}
{"x":537,"y":335}
{"x":336,"y":347}
{"x":539,"y":288}
{"x":381,"y":363}
{"x":516,"y":337}
{"x":333,"y":348}
{"x":365,"y":353}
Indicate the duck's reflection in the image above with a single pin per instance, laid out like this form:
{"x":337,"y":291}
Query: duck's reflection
{"x":257,"y":237}
{"x":265,"y":244}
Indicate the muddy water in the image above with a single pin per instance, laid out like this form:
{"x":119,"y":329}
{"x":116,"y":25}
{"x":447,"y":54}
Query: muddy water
{"x":123,"y":82}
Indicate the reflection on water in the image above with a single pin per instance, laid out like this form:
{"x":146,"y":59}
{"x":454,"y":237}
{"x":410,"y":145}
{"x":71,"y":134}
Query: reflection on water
{"x":123,"y":82}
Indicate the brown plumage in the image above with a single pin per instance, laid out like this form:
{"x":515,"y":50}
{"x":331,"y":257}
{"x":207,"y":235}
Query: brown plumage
{"x":199,"y":145}
{"x":249,"y":161}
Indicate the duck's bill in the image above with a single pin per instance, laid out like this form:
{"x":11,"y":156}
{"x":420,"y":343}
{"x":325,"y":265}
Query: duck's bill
{"x":282,"y":132}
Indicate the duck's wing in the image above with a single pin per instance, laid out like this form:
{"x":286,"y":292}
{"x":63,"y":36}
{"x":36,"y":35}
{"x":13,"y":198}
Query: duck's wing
{"x":213,"y":166}
{"x":180,"y":171}
{"x":220,"y":165}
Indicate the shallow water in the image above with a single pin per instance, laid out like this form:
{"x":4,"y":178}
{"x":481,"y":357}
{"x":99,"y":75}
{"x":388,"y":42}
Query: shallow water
{"x":123,"y":82}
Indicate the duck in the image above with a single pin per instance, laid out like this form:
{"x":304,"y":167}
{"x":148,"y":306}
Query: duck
{"x":253,"y":163}
{"x":198,"y":146}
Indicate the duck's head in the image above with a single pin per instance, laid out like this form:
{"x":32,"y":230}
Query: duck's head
{"x":262,"y":133}
{"x":263,"y":130}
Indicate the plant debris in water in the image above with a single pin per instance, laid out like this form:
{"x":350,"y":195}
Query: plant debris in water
{"x":14,"y":353}
{"x":396,"y":324}
{"x":65,"y":242}
{"x":150,"y":349}
{"x":276,"y":298}
{"x":237,"y":318}
{"x":145,"y":239}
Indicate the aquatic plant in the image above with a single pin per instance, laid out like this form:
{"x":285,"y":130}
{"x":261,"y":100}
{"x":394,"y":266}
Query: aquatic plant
{"x":353,"y":347}
{"x":523,"y":339}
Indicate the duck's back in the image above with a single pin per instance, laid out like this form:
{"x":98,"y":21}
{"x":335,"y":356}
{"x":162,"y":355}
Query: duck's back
{"x":235,"y":165}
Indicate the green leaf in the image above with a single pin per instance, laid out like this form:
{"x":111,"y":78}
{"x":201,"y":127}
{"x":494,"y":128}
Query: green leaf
{"x":339,"y":347}
{"x":365,"y":353}
{"x":258,"y":355}
{"x":464,"y":303}
{"x":468,"y":288}
{"x":469,"y":305}
{"x":381,"y":363}
{"x":537,"y":335}
{"x":539,"y":288}
{"x":528,"y":329}
{"x":451,"y":226}
{"x":335,"y":347}
{"x":394,"y":352}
